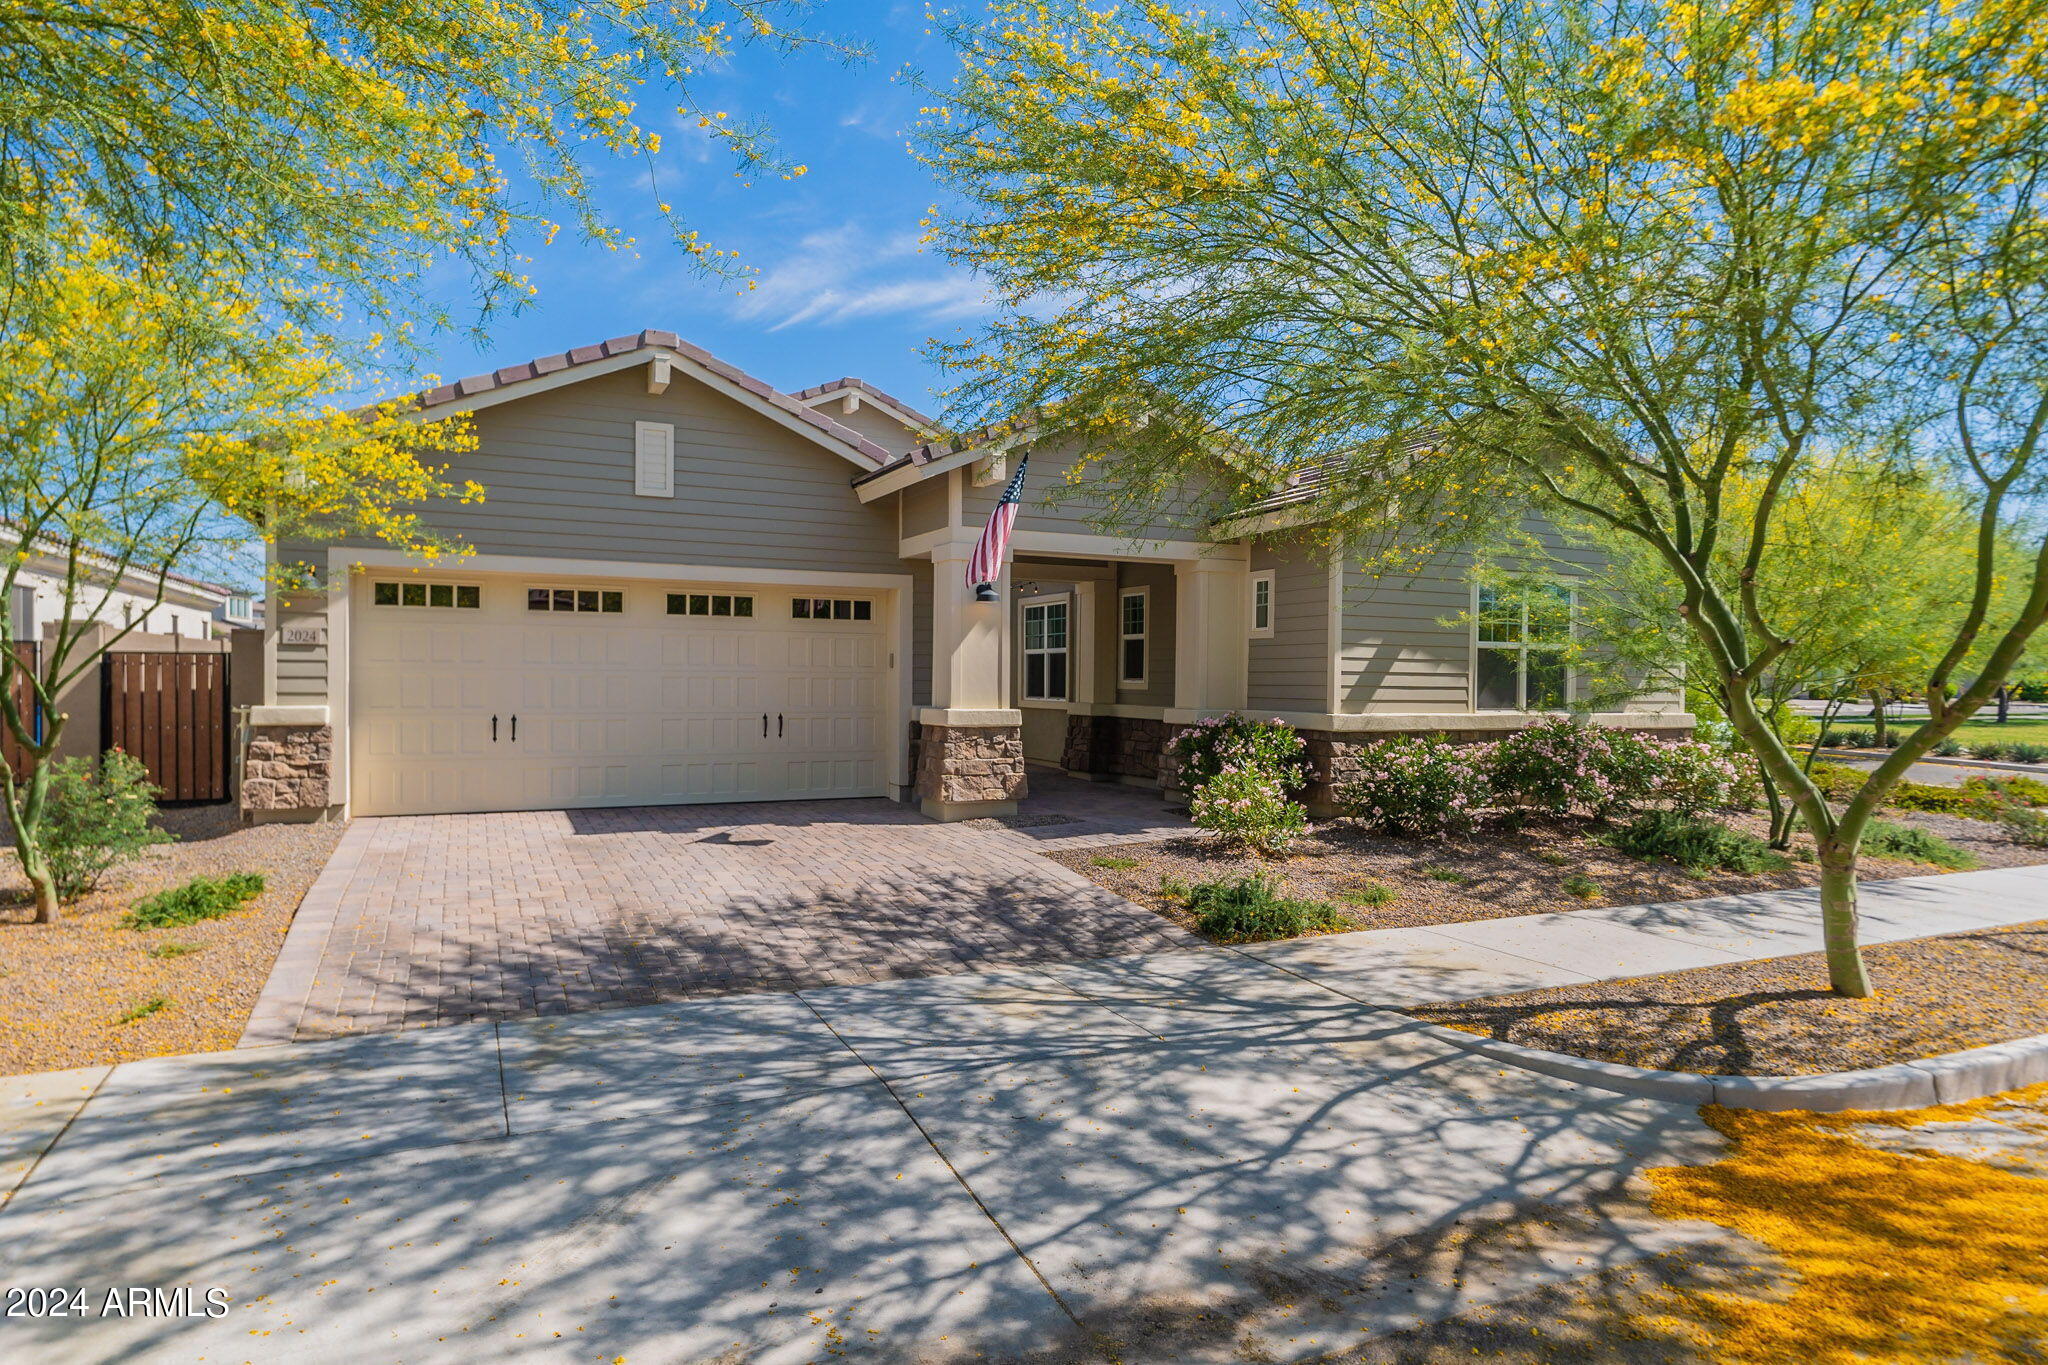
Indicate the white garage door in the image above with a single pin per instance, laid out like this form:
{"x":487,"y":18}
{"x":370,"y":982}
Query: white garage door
{"x":485,"y":694}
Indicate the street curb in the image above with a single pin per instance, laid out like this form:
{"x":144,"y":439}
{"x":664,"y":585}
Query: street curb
{"x":274,"y":1018}
{"x":1947,"y":1079}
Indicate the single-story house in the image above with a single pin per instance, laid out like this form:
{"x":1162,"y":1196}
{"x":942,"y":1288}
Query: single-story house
{"x":688,"y":586}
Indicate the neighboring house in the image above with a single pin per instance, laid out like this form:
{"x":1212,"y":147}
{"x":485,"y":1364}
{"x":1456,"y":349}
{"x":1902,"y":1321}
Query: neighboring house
{"x":187,"y":607}
{"x":690,"y":587}
{"x":243,"y":610}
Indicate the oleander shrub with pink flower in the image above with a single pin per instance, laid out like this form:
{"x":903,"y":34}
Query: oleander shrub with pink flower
{"x":1418,"y":785}
{"x":1692,"y":777}
{"x":1221,"y":743}
{"x":1248,"y":808}
{"x":1557,"y":766}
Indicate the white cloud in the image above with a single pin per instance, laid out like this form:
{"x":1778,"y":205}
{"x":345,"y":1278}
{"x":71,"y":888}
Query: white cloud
{"x":843,"y":274}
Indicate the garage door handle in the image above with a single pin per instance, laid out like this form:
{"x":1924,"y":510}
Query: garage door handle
{"x":778,"y":725}
{"x":515,"y":729}
{"x":494,"y":729}
{"x":764,"y":725}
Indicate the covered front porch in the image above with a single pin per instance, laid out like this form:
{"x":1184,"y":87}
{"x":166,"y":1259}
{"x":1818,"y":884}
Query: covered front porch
{"x":1092,"y":655}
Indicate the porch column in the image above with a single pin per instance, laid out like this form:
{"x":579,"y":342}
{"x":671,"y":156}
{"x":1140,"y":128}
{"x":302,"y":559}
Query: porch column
{"x":1212,"y":637}
{"x":1211,"y":644}
{"x":970,"y":743}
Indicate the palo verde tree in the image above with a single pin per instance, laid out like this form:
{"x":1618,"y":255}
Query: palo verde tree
{"x":1609,"y":256}
{"x":126,"y":463}
{"x":1861,"y":574}
{"x":326,"y":154}
{"x":211,"y":214}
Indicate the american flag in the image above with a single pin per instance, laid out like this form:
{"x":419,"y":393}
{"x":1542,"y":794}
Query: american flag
{"x":985,"y":565}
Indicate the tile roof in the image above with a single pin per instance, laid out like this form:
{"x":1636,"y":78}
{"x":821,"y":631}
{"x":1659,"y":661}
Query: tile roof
{"x":865,"y":450}
{"x":862,"y":385}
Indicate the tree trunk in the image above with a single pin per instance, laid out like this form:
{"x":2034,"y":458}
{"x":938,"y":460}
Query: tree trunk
{"x":2004,"y":704}
{"x":1878,"y":720}
{"x":1839,"y":923}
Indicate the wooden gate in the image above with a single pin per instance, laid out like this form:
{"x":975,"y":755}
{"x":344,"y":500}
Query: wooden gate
{"x":27,"y":660}
{"x":171,"y":711}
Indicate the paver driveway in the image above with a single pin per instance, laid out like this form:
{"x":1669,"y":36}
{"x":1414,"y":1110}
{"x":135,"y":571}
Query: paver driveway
{"x":429,"y":920}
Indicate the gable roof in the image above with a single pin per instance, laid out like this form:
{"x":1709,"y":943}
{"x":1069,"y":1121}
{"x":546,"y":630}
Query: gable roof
{"x":888,"y":402}
{"x":606,"y":357}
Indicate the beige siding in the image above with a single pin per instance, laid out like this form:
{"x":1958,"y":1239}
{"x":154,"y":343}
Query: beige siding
{"x":1406,"y":646}
{"x":1396,"y":653}
{"x":924,"y":506}
{"x":557,"y":470}
{"x":873,"y":423}
{"x":1290,"y":671}
{"x":1179,"y":518}
{"x":1158,"y":690}
{"x":920,"y":631}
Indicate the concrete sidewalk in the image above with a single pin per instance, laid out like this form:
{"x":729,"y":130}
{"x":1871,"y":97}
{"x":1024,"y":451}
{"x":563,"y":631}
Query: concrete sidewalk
{"x":1194,"y":1156}
{"x":1528,"y":952}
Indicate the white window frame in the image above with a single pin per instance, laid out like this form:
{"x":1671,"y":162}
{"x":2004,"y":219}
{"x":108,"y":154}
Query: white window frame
{"x":654,"y":469}
{"x":1251,"y":605}
{"x":1142,"y":681}
{"x":1030,"y":604}
{"x":1520,"y":648}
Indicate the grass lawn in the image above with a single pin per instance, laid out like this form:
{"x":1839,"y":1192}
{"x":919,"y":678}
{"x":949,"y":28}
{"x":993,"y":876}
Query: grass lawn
{"x":1976,"y":730}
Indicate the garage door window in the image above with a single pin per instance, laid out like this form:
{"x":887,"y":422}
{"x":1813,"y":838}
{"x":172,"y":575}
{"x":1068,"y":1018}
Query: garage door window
{"x":602,"y":600}
{"x":832,"y":609}
{"x":709,"y":604}
{"x":426,"y":595}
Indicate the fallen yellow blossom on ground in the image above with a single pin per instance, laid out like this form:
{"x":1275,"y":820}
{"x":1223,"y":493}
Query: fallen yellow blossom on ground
{"x":1891,"y":1255}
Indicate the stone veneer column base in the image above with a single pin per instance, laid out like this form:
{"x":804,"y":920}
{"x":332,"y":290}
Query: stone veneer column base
{"x":285,"y":774}
{"x":968,"y":771}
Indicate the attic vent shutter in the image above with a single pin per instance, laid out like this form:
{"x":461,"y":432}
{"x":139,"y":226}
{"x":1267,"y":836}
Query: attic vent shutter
{"x":654,"y":459}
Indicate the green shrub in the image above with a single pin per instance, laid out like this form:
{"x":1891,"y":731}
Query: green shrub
{"x":1696,"y":845}
{"x":1554,"y":858}
{"x":1417,"y":786}
{"x":2027,"y":753}
{"x":1992,"y":752}
{"x":1251,"y":910}
{"x":96,"y":816}
{"x":199,"y":899}
{"x":1173,"y":889}
{"x":2018,"y":789}
{"x":1692,"y":777}
{"x":1837,"y":781}
{"x":1248,"y":808}
{"x":1221,"y":744}
{"x":1948,"y":748}
{"x":1446,"y":874}
{"x":1582,"y":886}
{"x":1849,"y":739}
{"x":2028,"y":827}
{"x":1928,"y":796}
{"x":1372,"y":893}
{"x":1883,"y":839}
{"x":1114,"y":861}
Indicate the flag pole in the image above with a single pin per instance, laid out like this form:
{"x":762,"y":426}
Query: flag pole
{"x":985,"y":565}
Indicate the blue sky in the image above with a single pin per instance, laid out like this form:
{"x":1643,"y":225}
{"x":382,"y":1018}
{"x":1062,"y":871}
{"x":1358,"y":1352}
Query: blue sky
{"x":842,"y":286}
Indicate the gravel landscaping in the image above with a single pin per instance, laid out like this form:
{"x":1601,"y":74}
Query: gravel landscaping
{"x":1491,"y":874}
{"x":66,"y":988}
{"x":1777,"y":1018}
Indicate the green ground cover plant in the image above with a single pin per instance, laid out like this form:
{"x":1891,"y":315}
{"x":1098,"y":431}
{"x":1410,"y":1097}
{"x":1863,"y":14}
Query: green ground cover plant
{"x":1251,"y":910}
{"x":202,"y":898}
